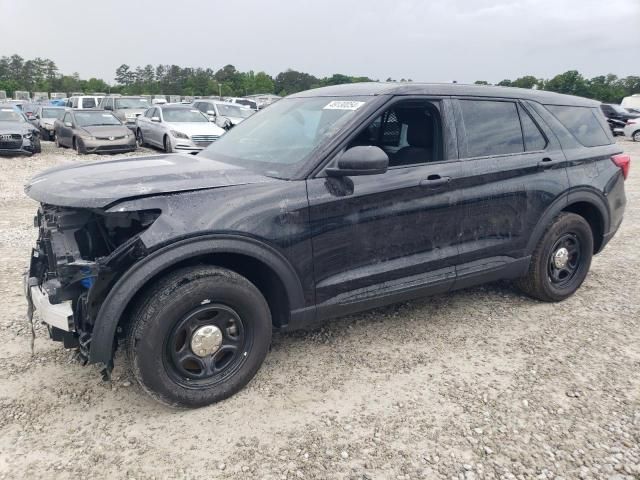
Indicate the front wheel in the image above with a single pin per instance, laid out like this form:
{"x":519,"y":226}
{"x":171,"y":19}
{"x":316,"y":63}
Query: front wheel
{"x":37,"y":146}
{"x":561,"y":260}
{"x":636,"y":136}
{"x":198,"y":336}
{"x":139,"y":138}
{"x":78,"y":146}
{"x":168,"y":148}
{"x":44,"y":134}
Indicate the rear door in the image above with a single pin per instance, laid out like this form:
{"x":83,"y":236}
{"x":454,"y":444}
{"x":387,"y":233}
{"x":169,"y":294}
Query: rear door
{"x":513,"y":169}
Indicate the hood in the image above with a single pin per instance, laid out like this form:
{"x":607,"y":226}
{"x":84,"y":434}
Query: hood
{"x":98,"y":184}
{"x":16,"y":127}
{"x":107,"y":130}
{"x":196,"y":128}
{"x":130,"y":112}
{"x":235,"y":120}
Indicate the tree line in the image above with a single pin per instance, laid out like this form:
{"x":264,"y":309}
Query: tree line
{"x":41,"y":74}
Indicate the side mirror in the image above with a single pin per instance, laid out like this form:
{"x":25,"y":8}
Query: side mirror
{"x":155,"y":119}
{"x":361,"y":160}
{"x":68,"y":124}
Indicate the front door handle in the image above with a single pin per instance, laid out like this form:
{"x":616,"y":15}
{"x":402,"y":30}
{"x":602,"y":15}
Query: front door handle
{"x":433,"y":181}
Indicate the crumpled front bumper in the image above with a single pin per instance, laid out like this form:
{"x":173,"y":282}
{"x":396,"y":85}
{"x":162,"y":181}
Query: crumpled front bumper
{"x":58,"y":315}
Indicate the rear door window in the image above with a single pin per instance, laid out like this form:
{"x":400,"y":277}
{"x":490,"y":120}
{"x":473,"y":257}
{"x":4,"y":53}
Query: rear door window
{"x":492,"y":128}
{"x":582,"y":123}
{"x":533,"y":138}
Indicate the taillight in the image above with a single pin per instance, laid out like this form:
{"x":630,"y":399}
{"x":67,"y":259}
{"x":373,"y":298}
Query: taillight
{"x":624,"y":162}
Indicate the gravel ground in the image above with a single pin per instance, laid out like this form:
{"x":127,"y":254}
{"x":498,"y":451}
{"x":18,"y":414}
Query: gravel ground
{"x":481,"y":383}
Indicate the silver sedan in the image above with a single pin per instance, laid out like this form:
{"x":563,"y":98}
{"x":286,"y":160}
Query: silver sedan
{"x":176,"y":128}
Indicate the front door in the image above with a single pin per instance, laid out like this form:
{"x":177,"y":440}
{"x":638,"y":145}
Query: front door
{"x":382,"y":238}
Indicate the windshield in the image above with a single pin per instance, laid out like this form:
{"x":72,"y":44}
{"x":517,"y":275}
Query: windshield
{"x":124,"y":103}
{"x":183,"y":115}
{"x":233,"y":111}
{"x":89,"y":119}
{"x":277,"y":141}
{"x":10,"y":115}
{"x":52,"y":113}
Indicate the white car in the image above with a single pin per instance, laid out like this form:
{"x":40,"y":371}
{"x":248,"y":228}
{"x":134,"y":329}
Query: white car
{"x":176,"y":128}
{"x":244,"y":102}
{"x":224,"y":114}
{"x":83,"y":102}
{"x":632,"y":129}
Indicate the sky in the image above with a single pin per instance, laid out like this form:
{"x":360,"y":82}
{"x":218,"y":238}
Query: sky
{"x":424,"y":40}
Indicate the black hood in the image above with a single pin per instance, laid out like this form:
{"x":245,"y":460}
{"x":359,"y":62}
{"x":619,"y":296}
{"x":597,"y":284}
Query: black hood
{"x":99,"y":184}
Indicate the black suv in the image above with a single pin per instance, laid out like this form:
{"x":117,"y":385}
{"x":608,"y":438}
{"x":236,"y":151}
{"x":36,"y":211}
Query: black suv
{"x":328,"y":202}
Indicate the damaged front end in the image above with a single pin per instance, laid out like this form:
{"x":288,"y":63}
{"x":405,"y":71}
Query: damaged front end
{"x":78,"y":257}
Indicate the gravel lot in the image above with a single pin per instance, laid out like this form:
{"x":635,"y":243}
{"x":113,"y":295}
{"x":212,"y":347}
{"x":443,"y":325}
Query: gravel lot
{"x":482,"y":383}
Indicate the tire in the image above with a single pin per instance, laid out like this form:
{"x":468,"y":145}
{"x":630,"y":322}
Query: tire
{"x":139,"y":138}
{"x":57,"y":142}
{"x":44,"y":134}
{"x":78,"y":146}
{"x":545,"y":279}
{"x":636,"y":136}
{"x":167,"y":144}
{"x":157,"y":335}
{"x":37,"y":146}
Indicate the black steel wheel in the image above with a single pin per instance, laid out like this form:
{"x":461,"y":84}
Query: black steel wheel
{"x":561,"y":259}
{"x":198,"y":336}
{"x":206,"y":346}
{"x":564,"y":259}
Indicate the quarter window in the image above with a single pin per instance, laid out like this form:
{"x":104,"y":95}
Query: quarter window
{"x":492,"y":128}
{"x":582,"y":123}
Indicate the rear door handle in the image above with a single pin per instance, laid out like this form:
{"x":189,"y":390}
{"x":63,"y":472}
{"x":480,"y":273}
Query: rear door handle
{"x":548,"y":163}
{"x":433,"y":181}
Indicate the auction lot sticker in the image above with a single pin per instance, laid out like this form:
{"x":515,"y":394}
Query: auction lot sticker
{"x":343,"y":105}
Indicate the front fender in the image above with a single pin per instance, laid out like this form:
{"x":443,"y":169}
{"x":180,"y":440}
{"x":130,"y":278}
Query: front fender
{"x":140,"y":273}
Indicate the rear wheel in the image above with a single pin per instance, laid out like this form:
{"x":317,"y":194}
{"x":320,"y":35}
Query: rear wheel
{"x":636,"y":136}
{"x":561,"y":260}
{"x":198,"y":336}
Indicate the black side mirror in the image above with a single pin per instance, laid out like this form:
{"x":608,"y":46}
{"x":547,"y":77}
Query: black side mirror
{"x":361,"y":160}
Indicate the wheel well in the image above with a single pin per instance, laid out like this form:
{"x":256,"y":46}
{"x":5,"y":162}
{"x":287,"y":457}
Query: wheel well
{"x":257,"y":272}
{"x":592,"y":215}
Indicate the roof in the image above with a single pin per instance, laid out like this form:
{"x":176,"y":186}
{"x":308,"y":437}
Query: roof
{"x":445,"y":89}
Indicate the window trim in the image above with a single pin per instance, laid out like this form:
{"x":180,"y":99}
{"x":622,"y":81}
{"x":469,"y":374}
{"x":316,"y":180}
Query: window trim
{"x":541,"y":130}
{"x":462,"y":133}
{"x":445,"y":112}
